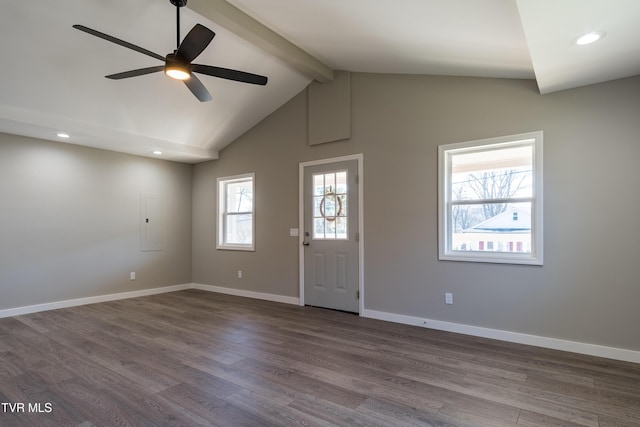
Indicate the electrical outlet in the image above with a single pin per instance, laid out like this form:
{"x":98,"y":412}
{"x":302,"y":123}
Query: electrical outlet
{"x":132,"y":275}
{"x":239,"y":274}
{"x":448,"y":298}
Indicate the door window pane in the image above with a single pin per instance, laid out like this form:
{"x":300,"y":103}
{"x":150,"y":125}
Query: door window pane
{"x":330,"y":206}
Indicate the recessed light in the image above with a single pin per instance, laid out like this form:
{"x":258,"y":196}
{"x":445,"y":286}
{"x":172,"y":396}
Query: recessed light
{"x":63,"y":135}
{"x":588,"y":38}
{"x":157,"y":152}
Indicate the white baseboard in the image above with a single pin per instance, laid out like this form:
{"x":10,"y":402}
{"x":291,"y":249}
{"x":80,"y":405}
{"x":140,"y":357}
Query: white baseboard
{"x":10,"y":312}
{"x":248,"y":294}
{"x":515,"y":337}
{"x":89,"y":300}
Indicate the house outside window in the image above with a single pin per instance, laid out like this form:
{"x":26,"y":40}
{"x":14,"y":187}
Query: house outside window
{"x":236,"y":213}
{"x":490,"y":200}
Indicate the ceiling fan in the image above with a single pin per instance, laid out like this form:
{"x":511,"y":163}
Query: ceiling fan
{"x":177,"y":65}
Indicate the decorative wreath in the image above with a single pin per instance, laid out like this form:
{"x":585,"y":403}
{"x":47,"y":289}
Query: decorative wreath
{"x":330,"y":193}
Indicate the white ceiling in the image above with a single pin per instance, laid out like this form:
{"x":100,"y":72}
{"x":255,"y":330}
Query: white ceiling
{"x":53,"y":75}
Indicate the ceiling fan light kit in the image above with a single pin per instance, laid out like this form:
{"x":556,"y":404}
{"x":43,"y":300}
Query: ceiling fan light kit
{"x":177,"y":65}
{"x":175,"y":69}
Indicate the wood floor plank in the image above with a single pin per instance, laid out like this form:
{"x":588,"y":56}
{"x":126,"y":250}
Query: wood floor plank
{"x":336,"y":414}
{"x":461,"y":416}
{"x":44,"y":414}
{"x":198,"y":358}
{"x":508,"y":394}
{"x":249,"y":381}
{"x":532,"y":419}
{"x":217,"y":411}
{"x":99,"y":405}
{"x":607,"y":421}
{"x":303,"y":384}
{"x":272,"y":411}
{"x":355,"y":380}
{"x":398,"y":414}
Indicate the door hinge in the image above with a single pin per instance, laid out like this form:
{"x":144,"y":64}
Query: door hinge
{"x":357,"y":294}
{"x":357,"y":236}
{"x":357,"y":179}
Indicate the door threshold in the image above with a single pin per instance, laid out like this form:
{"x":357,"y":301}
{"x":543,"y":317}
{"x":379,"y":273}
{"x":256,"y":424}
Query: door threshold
{"x":332,"y":309}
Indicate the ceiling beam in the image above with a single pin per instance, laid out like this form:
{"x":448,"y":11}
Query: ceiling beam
{"x":241,"y":24}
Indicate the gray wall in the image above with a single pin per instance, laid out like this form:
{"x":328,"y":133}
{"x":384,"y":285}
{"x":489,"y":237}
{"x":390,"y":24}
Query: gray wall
{"x":589,"y":287}
{"x":70,"y":222}
{"x":69,"y":216}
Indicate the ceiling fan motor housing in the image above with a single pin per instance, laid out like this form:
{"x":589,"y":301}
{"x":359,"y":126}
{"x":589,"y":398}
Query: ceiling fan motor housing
{"x":178,"y":3}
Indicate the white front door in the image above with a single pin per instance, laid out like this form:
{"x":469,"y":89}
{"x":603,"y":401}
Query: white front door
{"x":331,"y":249}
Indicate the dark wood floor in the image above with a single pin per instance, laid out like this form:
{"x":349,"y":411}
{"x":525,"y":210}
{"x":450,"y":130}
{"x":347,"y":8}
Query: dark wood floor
{"x":197,"y":358}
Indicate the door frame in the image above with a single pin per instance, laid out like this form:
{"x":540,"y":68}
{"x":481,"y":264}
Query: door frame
{"x":360,"y":173}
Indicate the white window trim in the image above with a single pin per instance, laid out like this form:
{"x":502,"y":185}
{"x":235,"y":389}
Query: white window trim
{"x":444,"y":191}
{"x":220,"y":223}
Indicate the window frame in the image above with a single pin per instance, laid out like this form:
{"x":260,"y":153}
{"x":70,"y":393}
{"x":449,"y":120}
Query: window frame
{"x":223,"y":214}
{"x":445,"y":223}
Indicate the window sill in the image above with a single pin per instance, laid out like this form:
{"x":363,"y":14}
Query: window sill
{"x":236,"y":248}
{"x":503,"y":258}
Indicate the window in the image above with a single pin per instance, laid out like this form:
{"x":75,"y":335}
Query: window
{"x":330,"y":206}
{"x":490,"y":200}
{"x":236,"y":212}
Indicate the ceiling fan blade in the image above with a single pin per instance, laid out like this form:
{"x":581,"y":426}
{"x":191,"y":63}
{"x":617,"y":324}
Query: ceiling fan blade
{"x":226,"y":73}
{"x":197,"y":88}
{"x":194,"y":43}
{"x":118,"y":41}
{"x":135,"y":73}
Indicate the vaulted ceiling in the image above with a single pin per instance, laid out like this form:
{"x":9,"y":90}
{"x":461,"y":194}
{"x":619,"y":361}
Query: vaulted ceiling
{"x":53,"y":75}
